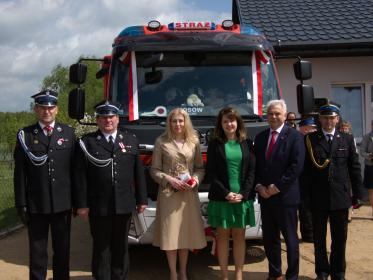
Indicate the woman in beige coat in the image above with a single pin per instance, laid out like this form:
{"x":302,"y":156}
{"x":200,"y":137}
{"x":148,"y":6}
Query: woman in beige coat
{"x":177,"y":167}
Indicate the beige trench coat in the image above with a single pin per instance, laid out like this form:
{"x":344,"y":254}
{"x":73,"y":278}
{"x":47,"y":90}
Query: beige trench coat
{"x":178,"y":222}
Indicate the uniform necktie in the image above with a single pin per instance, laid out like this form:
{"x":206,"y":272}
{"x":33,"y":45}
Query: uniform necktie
{"x":48,"y":130}
{"x":271,"y":144}
{"x":111,"y":140}
{"x":330,"y":139}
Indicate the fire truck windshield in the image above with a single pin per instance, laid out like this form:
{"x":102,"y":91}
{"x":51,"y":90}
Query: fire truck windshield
{"x":200,"y":82}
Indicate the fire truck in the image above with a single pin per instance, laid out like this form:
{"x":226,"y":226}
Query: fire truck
{"x":198,"y":66}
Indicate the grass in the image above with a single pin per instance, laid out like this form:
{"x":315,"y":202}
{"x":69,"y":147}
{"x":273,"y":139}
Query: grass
{"x":8,"y":215}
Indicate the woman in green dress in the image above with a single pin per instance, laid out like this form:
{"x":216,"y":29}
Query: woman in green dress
{"x":230,"y":171}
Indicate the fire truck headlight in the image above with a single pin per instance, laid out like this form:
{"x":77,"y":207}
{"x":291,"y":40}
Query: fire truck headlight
{"x":227,"y":24}
{"x":154,"y":25}
{"x":204,"y":208}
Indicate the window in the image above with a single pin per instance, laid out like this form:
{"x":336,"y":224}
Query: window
{"x":351,"y":99}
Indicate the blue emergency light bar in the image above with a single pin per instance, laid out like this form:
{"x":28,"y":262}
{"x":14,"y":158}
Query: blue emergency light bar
{"x":135,"y":31}
{"x":249,"y":30}
{"x":132,"y":31}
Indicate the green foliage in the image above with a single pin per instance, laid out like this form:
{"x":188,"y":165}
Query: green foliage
{"x":10,"y":124}
{"x":8,"y":215}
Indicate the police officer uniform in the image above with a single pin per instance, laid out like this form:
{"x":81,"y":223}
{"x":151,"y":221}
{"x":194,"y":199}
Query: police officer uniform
{"x":42,"y":187}
{"x":111,"y":184}
{"x":330,"y":164}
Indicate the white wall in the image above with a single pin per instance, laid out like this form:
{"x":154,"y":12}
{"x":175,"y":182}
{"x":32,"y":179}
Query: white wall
{"x":325,"y":72}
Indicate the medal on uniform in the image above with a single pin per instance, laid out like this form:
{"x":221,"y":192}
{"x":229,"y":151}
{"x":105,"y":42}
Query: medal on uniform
{"x":60,"y":141}
{"x":121,"y":145}
{"x":36,"y":141}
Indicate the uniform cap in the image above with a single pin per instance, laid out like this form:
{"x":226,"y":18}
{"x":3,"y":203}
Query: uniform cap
{"x":47,"y":98}
{"x":308,"y":121}
{"x":107,"y":108}
{"x":329,"y":110}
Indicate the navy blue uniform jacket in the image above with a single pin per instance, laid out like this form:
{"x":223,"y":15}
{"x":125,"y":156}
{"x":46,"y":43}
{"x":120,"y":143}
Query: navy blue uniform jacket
{"x":47,"y":188}
{"x":106,"y":190}
{"x":330,"y":188}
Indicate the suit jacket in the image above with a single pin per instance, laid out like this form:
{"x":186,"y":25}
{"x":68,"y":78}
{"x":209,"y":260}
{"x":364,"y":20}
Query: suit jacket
{"x":169,"y":159}
{"x":45,"y":188}
{"x":217,"y":171}
{"x":115,"y":188}
{"x":329,"y":188}
{"x":283,"y":167}
{"x":366,"y":148}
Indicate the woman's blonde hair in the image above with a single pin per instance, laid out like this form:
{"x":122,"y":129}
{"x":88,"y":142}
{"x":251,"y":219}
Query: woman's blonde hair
{"x":189,"y":132}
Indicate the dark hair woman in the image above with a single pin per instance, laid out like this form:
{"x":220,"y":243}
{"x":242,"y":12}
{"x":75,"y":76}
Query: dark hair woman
{"x":230,"y":171}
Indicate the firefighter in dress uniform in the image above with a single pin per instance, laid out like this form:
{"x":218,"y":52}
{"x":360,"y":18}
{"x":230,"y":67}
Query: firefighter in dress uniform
{"x":306,"y":126}
{"x":331,"y":162}
{"x":43,"y":186}
{"x":110,"y":186}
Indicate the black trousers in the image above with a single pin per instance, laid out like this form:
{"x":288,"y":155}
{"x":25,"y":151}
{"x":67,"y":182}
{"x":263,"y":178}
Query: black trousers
{"x":338,"y":220}
{"x":305,"y":222}
{"x":38,"y":230}
{"x":278,"y":219}
{"x":110,"y":260}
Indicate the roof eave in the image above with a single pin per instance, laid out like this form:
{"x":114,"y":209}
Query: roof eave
{"x":330,"y":49}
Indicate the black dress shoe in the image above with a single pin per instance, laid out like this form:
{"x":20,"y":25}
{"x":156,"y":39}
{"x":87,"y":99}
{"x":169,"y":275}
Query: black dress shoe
{"x":321,"y":278}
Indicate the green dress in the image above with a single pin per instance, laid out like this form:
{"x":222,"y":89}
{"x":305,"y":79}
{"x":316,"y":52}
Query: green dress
{"x":232,"y":215}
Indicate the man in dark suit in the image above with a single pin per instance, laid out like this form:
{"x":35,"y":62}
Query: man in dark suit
{"x":331,"y":164}
{"x":42,"y":186}
{"x":111,"y":186}
{"x":279,"y":153}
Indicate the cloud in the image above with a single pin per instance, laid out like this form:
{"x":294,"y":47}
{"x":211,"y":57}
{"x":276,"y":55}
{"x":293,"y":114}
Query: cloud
{"x":35,"y":36}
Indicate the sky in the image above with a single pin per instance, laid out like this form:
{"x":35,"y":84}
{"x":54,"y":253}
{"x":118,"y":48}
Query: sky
{"x":36,"y":35}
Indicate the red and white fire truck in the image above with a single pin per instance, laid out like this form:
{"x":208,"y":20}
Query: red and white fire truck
{"x":199,"y":66}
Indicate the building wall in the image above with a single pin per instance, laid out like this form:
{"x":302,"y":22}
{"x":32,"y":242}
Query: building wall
{"x":325,"y":73}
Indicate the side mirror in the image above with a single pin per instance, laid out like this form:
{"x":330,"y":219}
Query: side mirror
{"x":153,"y":77}
{"x":305,"y":99}
{"x":78,"y":73}
{"x":76,"y":104}
{"x":302,"y":70}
